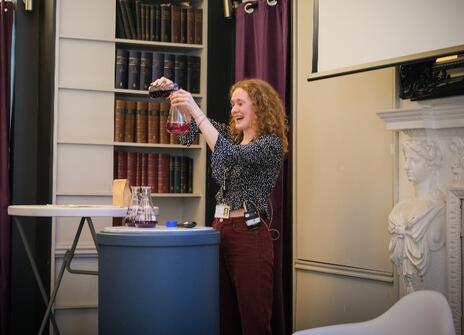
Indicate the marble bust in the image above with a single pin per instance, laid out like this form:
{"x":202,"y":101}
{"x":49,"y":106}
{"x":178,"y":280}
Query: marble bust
{"x":417,"y":225}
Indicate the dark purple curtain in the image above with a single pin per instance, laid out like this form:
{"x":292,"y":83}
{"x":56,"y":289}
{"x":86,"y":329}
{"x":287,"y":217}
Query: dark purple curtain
{"x":6,"y":24}
{"x":261,"y":51}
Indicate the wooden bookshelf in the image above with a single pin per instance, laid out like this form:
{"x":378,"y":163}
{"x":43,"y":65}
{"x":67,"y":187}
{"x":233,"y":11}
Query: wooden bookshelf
{"x":84,"y":145}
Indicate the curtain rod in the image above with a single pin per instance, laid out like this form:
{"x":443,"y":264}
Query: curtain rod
{"x":27,"y":4}
{"x":250,"y":5}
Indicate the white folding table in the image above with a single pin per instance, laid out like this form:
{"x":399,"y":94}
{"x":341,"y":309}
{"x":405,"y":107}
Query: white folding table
{"x":85,"y":212}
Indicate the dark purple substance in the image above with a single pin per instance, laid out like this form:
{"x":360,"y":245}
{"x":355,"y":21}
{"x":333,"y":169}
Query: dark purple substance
{"x":145,"y":224}
{"x":157,"y":93}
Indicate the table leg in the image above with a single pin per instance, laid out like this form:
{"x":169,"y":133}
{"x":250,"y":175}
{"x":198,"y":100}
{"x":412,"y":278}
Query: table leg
{"x":74,"y":245}
{"x":67,"y":259}
{"x":93,"y":233}
{"x":36,"y":273}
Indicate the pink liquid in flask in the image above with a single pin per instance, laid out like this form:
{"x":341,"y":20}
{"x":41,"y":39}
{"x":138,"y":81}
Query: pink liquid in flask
{"x":177,"y":128}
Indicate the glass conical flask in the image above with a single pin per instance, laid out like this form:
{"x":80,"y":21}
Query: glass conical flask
{"x":146,"y":216}
{"x":132,"y":210}
{"x":176,"y":123}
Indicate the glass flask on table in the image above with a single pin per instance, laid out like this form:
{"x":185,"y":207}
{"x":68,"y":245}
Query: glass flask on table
{"x":146,"y":214}
{"x":132,"y":210}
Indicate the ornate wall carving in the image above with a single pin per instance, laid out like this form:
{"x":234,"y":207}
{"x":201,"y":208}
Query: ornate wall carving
{"x":444,"y":126}
{"x":429,"y":79}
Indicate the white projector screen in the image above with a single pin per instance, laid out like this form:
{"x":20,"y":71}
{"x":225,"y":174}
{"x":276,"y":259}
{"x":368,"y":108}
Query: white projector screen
{"x":357,"y":35}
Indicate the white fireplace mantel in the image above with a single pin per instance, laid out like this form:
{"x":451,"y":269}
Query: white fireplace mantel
{"x":426,"y":117}
{"x":443,"y":124}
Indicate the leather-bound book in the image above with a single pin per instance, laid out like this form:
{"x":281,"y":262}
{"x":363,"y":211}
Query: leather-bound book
{"x":146,"y":22}
{"x":132,"y":168}
{"x":152,"y":22}
{"x":198,"y":23}
{"x":172,"y":163}
{"x":193,"y":74}
{"x":138,"y":176}
{"x":115,"y":164}
{"x":144,"y":181}
{"x":163,"y":173}
{"x":183,"y":24}
{"x":177,"y":166}
{"x":129,"y":122}
{"x":163,"y":134}
{"x":120,"y":31}
{"x":131,"y":18}
{"x":133,"y":80}
{"x":165,"y":22}
{"x":120,"y":77}
{"x":177,"y":173}
{"x":169,"y":66}
{"x":158,"y":65}
{"x":180,"y":70}
{"x":190,"y":176}
{"x":175,"y":23}
{"x":152,"y":172}
{"x":138,"y":20}
{"x":157,"y":22}
{"x":119,"y":120}
{"x":184,"y":174}
{"x":122,"y":165}
{"x":153,"y":122}
{"x":141,"y":122}
{"x":125,"y":19}
{"x":145,"y":70}
{"x":142,"y":21}
{"x":190,"y":26}
{"x":173,"y":139}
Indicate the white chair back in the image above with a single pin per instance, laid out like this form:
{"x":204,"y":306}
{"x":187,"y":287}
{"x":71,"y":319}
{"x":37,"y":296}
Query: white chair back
{"x":418,"y":313}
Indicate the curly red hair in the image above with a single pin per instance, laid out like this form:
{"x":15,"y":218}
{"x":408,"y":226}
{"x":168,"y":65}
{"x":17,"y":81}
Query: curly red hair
{"x":269,"y":110}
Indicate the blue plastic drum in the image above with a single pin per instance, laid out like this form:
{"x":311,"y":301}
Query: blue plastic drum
{"x":158,"y":281}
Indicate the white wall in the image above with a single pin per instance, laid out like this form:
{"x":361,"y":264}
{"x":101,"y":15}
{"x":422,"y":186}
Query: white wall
{"x":343,"y":190}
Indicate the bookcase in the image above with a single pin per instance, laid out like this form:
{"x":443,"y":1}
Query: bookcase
{"x":84,"y":143}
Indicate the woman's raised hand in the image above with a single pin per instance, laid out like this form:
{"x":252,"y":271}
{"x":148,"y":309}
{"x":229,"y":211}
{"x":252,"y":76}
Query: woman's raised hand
{"x":163,"y":83}
{"x":183,"y":100}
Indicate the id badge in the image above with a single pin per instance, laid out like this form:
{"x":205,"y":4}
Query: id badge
{"x":222,"y":211}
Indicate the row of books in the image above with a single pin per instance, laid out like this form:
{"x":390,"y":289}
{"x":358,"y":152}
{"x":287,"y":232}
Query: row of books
{"x":166,"y":22}
{"x":136,"y":69}
{"x":142,"y":122}
{"x":164,"y":173}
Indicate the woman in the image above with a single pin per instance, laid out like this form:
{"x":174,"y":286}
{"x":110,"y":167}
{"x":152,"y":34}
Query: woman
{"x":246,"y":160}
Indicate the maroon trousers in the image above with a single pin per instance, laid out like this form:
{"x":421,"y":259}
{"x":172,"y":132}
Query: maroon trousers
{"x":246,"y":278}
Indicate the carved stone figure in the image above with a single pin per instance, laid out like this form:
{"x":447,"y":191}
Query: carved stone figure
{"x":417,"y":225}
{"x":457,"y":160}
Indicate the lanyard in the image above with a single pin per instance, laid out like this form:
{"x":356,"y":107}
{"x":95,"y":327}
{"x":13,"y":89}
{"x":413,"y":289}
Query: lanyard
{"x":223,"y":187}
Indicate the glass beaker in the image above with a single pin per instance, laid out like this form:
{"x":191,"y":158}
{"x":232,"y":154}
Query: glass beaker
{"x":146,"y":216}
{"x":132,"y":210}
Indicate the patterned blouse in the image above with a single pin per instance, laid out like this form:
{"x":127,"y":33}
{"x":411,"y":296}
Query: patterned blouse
{"x":245,"y":172}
